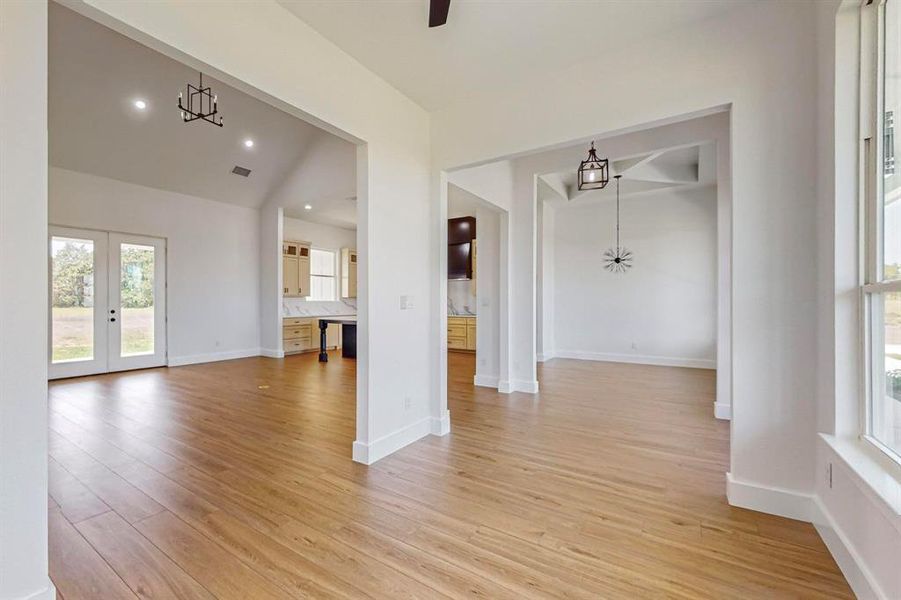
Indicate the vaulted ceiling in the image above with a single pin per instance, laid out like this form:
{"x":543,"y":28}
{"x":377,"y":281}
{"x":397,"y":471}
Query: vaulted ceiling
{"x":488,"y":45}
{"x":95,"y":77}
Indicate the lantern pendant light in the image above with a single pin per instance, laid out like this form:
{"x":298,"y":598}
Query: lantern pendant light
{"x":617,"y":259}
{"x":593,"y":172}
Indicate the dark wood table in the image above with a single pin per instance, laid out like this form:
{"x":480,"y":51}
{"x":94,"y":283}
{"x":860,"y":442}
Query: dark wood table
{"x":348,"y":336}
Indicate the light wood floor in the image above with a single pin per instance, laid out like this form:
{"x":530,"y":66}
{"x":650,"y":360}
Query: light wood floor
{"x":234,"y":480}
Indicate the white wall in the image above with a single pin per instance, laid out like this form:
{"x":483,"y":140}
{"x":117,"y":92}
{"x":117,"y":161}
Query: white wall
{"x":212,"y":249}
{"x":271,"y":224}
{"x":23,"y":302}
{"x":663,"y":310}
{"x":488,"y":223}
{"x":321,"y":236}
{"x":546,"y":340}
{"x":759,"y":59}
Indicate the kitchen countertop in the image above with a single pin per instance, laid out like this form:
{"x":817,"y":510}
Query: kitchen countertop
{"x":328,"y":316}
{"x":318,"y":309}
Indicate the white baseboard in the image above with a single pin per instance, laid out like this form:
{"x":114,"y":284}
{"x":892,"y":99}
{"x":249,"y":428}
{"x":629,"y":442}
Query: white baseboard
{"x":544,"y":356}
{"x":177,"y":361}
{"x":517,"y":385}
{"x":48,"y":593}
{"x":441,"y":426}
{"x":639,"y":359}
{"x":846,"y":556}
{"x":775,"y":501}
{"x":270,"y":353}
{"x":485,"y":380}
{"x":525,"y":385}
{"x":388,"y":444}
{"x":722,"y":410}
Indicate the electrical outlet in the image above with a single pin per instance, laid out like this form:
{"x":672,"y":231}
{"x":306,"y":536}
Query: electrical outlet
{"x":634,"y":346}
{"x":483,"y":362}
{"x":829,"y":475}
{"x":408,"y":403}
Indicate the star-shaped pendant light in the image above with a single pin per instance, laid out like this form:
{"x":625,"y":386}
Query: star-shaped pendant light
{"x":617,"y":259}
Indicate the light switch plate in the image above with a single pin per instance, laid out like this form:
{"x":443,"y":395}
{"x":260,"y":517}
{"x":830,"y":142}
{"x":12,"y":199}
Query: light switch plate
{"x":406,"y":302}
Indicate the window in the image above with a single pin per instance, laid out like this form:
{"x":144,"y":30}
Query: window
{"x":323,"y":283}
{"x":881,"y":99}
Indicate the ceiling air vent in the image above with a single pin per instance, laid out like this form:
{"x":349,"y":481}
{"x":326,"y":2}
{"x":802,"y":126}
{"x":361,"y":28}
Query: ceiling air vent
{"x":242,"y":171}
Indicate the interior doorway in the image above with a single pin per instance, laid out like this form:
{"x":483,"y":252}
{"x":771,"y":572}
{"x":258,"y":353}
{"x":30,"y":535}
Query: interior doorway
{"x":108,"y":302}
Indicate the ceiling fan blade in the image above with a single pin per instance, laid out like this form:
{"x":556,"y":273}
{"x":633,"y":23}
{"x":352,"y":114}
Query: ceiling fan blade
{"x":438,"y":12}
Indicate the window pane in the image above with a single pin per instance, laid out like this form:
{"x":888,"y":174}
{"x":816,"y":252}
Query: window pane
{"x":890,"y":171}
{"x":322,"y":288}
{"x":136,"y":293}
{"x":885,"y":412}
{"x":322,"y":262}
{"x":72,"y":305}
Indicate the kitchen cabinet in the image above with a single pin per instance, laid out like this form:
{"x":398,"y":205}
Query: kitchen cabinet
{"x":348,"y":273}
{"x":295,"y":269}
{"x":461,"y":333}
{"x":297,"y":335}
{"x":301,"y":334}
{"x":461,"y":234}
{"x":291,"y":275}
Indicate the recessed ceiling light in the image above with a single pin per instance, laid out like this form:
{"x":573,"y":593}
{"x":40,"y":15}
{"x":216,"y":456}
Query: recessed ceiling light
{"x":248,"y":143}
{"x":307,"y":207}
{"x":140,"y":104}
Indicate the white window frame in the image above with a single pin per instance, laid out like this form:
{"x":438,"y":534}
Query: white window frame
{"x":333,"y":277}
{"x":872,"y":285}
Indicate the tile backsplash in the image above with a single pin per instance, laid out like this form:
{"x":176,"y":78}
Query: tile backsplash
{"x":460,"y":297}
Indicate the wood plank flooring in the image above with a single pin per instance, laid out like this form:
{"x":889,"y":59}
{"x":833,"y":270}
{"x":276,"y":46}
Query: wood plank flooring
{"x":234,"y":480}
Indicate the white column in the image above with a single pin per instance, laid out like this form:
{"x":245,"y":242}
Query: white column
{"x":23,"y":301}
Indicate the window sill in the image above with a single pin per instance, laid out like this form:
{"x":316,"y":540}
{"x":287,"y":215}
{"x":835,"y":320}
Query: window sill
{"x":877,"y":476}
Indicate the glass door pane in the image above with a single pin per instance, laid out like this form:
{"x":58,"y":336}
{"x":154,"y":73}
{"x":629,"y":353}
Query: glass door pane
{"x":78,"y":284}
{"x":72,"y":299}
{"x":136,"y":293}
{"x":137,"y":302}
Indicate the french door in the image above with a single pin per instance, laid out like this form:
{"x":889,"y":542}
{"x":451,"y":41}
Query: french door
{"x":107,"y":302}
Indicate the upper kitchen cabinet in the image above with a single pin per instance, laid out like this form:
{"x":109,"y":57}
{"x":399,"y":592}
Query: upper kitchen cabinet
{"x":461,"y":235}
{"x":348,"y":273}
{"x":296,"y":269}
{"x":461,"y":230}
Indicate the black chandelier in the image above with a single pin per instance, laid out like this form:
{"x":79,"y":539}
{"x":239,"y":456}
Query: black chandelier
{"x":202,"y":104}
{"x":593,"y":172}
{"x":617,"y":259}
